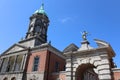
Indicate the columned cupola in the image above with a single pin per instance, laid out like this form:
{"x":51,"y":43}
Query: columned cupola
{"x":38,"y":26}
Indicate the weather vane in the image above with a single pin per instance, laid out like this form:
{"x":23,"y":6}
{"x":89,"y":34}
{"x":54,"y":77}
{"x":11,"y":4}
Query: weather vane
{"x":84,"y":35}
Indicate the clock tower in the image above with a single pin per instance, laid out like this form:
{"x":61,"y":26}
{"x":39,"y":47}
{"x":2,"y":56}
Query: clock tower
{"x":38,"y":26}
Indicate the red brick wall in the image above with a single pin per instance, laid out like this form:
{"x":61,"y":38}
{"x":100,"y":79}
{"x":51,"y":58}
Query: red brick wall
{"x":46,"y":63}
{"x":53,"y":59}
{"x":116,"y":75}
{"x":42,"y":61}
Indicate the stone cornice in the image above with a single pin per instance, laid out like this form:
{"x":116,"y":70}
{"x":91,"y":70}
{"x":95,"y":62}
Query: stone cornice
{"x":21,"y":52}
{"x":36,"y":72}
{"x":26,"y":39}
{"x":16,"y":72}
{"x":116,"y":69}
{"x":48,"y":47}
{"x":99,"y":51}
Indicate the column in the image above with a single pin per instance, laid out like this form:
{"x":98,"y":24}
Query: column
{"x":13,"y":68}
{"x":23,"y":58}
{"x":23,"y":62}
{"x":1,"y":62}
{"x":6,"y":66}
{"x":73,"y":75}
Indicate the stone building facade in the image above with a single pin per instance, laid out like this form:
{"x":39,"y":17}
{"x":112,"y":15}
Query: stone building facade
{"x":34,"y":59}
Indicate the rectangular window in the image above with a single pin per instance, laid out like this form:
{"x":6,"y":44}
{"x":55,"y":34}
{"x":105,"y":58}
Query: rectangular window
{"x":57,"y":67}
{"x":36,"y":63}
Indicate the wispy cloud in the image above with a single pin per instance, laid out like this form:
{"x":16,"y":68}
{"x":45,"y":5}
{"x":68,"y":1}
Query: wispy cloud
{"x":66,"y":19}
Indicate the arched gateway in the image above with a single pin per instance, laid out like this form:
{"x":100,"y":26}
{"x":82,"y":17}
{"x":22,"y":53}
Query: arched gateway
{"x":86,"y":72}
{"x":13,"y":78}
{"x":5,"y":78}
{"x":87,"y":63}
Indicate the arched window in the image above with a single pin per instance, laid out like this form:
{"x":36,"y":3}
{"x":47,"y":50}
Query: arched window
{"x":36,"y":63}
{"x":5,"y":78}
{"x":13,"y":78}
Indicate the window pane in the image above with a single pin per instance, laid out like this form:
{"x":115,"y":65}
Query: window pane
{"x":57,"y":67}
{"x":36,"y":62}
{"x":35,"y":67}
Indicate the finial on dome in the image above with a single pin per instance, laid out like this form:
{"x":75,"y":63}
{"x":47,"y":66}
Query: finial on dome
{"x":41,"y":10}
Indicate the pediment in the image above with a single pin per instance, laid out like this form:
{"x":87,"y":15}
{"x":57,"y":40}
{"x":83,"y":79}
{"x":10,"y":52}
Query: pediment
{"x":14,"y":48}
{"x":71,"y":47}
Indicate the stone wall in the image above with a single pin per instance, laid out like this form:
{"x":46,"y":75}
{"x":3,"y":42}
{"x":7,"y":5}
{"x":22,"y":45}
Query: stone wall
{"x":35,"y":76}
{"x":59,"y":76}
{"x":18,"y":76}
{"x":99,"y":59}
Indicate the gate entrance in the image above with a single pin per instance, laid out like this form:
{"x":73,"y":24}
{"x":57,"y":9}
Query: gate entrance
{"x":86,"y":72}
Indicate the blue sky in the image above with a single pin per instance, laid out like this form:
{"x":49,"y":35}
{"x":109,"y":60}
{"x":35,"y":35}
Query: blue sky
{"x":101,"y":18}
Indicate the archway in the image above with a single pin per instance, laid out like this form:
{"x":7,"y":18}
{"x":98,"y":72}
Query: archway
{"x":86,"y":72}
{"x":13,"y":78}
{"x":5,"y":78}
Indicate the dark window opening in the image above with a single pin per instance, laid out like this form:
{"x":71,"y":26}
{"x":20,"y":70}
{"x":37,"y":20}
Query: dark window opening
{"x":5,"y":79}
{"x":13,"y":78}
{"x":35,"y":64}
{"x":57,"y":67}
{"x":64,"y":67}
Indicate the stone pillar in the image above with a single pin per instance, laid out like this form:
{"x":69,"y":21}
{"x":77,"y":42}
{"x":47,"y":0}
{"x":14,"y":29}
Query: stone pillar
{"x":104,"y":68}
{"x":74,"y":71}
{"x":23,"y":58}
{"x":1,"y":62}
{"x":23,"y":62}
{"x":70,"y":67}
{"x":73,"y":77}
{"x":13,"y":68}
{"x":68,"y":71}
{"x":7,"y":64}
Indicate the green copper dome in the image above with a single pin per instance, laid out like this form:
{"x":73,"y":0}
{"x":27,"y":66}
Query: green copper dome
{"x":41,"y":10}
